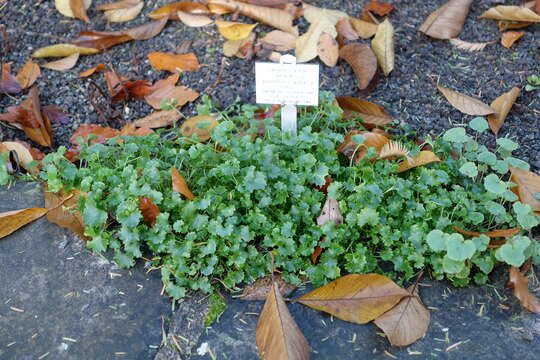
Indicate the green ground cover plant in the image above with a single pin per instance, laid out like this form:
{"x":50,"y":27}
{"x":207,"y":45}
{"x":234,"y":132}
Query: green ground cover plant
{"x":256,"y":193}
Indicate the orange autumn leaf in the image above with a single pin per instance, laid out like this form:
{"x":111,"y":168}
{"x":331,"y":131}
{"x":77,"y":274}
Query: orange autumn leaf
{"x":179,"y":184}
{"x":370,"y":113}
{"x":350,"y":148}
{"x":28,"y":74}
{"x":508,"y":38}
{"x":173,"y":62}
{"x":78,"y":7}
{"x":67,"y":215}
{"x":11,"y":221}
{"x":492,"y":234}
{"x":528,"y":184}
{"x":100,"y":39}
{"x":98,"y":68}
{"x":171,"y":10}
{"x":521,"y":290}
{"x":149,"y":210}
{"x":179,"y":94}
{"x":423,"y":158}
{"x":379,"y":8}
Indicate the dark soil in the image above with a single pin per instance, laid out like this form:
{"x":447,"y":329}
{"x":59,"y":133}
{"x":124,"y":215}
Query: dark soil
{"x":408,"y":93}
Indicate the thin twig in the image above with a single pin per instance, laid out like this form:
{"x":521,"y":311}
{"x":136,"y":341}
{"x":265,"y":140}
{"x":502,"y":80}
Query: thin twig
{"x":218,"y":78}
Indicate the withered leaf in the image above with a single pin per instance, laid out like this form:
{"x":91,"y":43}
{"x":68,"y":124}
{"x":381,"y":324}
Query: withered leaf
{"x":492,"y":234}
{"x":137,"y":89}
{"x":521,"y":290}
{"x":179,"y":184}
{"x":513,"y":13}
{"x":146,"y":31}
{"x":508,"y":38}
{"x":464,"y":103}
{"x":171,"y":10}
{"x":350,"y":148}
{"x":149,"y":210}
{"x":423,"y":158}
{"x":64,"y":7}
{"x":93,"y":70}
{"x":330,"y":212}
{"x":383,"y":46}
{"x":447,"y":21}
{"x":234,"y":30}
{"x":158,"y":119}
{"x":379,"y":8}
{"x":67,"y":215}
{"x":9,"y":84}
{"x":370,"y":113}
{"x":279,"y":40}
{"x":63,"y":64}
{"x":277,"y":335}
{"x":327,"y":49}
{"x":261,"y":287}
{"x":345,"y":31}
{"x":100,"y":40}
{"x":193,"y":20}
{"x":363,"y":28}
{"x":528,"y":183}
{"x":173,"y":62}
{"x":54,"y":114}
{"x":63,"y":50}
{"x":470,"y":46}
{"x":129,"y":12}
{"x":502,"y":106}
{"x":78,"y":8}
{"x":122,"y":4}
{"x":24,"y":153}
{"x":11,"y":221}
{"x":357,"y":298}
{"x":28,"y":74}
{"x":180,"y":94}
{"x":362,"y":60}
{"x":199,"y":125}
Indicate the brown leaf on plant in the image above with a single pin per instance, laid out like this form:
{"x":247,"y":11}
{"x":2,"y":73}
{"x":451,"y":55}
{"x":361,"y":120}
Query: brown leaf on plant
{"x":379,"y":8}
{"x":407,"y":322}
{"x":362,"y":60}
{"x":357,"y":298}
{"x":100,"y":40}
{"x":159,"y":119}
{"x":464,"y":103}
{"x":370,"y":113}
{"x":510,"y":37}
{"x":200,"y":126}
{"x":28,"y":74}
{"x":363,"y":28}
{"x":173,"y":62}
{"x":470,"y":46}
{"x":277,"y":335}
{"x":330,"y":212}
{"x":179,"y":94}
{"x":95,"y":69}
{"x":122,"y":11}
{"x":528,"y":184}
{"x":149,"y":210}
{"x":67,"y":215}
{"x":63,"y":50}
{"x":521,"y":290}
{"x":513,"y":13}
{"x":146,"y":31}
{"x":328,"y":50}
{"x":78,"y":8}
{"x":63,"y":64}
{"x":447,"y":21}
{"x":502,"y":106}
{"x":11,"y":221}
{"x":350,"y":148}
{"x":171,"y":10}
{"x":279,"y":40}
{"x":179,"y":184}
{"x":9,"y":84}
{"x":423,"y":158}
{"x":383,"y":46}
{"x":192,"y":20}
{"x":498,"y":233}
{"x":261,"y":287}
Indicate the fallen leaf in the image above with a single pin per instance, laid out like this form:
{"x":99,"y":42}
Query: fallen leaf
{"x":100,"y":40}
{"x":78,"y":8}
{"x":513,"y":13}
{"x":379,"y":8}
{"x":510,"y":37}
{"x":28,"y":74}
{"x":507,"y":25}
{"x":149,"y":210}
{"x":261,"y":287}
{"x":173,"y":62}
{"x":171,"y":10}
{"x":329,"y":213}
{"x":23,"y":153}
{"x":194,"y":20}
{"x":122,"y":4}
{"x":234,"y":30}
{"x":179,"y":94}
{"x":170,"y":80}
{"x":277,"y":335}
{"x":179,"y":184}
{"x":9,"y":84}
{"x":528,"y":183}
{"x":279,"y":40}
{"x":63,"y":50}
{"x":492,"y":234}
{"x":235,"y":47}
{"x":54,"y":114}
{"x":521,"y":290}
{"x":93,"y":70}
{"x":363,"y":28}
{"x":158,"y":119}
{"x":131,"y":130}
{"x":64,"y":7}
{"x":200,"y":126}
{"x":464,"y":103}
{"x":357,"y":298}
{"x":470,"y":46}
{"x":11,"y":221}
{"x":502,"y":106}
{"x":447,"y":21}
{"x":423,"y":158}
{"x":63,"y":64}
{"x":537,"y":6}
{"x":345,"y":31}
{"x":146,"y":31}
{"x":383,"y":46}
{"x":137,"y":89}
{"x":407,"y":322}
{"x":350,"y":148}
{"x":328,"y":50}
{"x":67,"y":215}
{"x":370,"y":113}
{"x":362,"y":60}
{"x":128,"y":13}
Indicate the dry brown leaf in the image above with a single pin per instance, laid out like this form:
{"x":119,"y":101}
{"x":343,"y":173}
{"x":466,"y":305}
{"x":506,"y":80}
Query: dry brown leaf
{"x":8,"y":82}
{"x":78,"y":8}
{"x":63,"y":50}
{"x":277,"y":335}
{"x":146,"y":31}
{"x":537,"y":6}
{"x":507,"y":25}
{"x":362,"y":60}
{"x":237,"y":47}
{"x":502,"y":106}
{"x":279,"y":40}
{"x":423,"y":158}
{"x":345,"y":31}
{"x":510,"y":37}
{"x":171,"y":10}
{"x":234,"y":30}
{"x":180,"y":94}
{"x":447,"y":21}
{"x":194,"y":20}
{"x":470,"y":46}
{"x":100,"y":40}
{"x":28,"y":74}
{"x":383,"y":46}
{"x":370,"y":113}
{"x":64,"y":7}
{"x":63,"y":64}
{"x":200,"y":125}
{"x":330,"y":212}
{"x":392,"y":149}
{"x":350,"y":148}
{"x":363,"y":28}
{"x":328,"y":50}
{"x":93,"y":70}
{"x":357,"y":298}
{"x":149,"y":210}
{"x":513,"y":13}
{"x":407,"y":322}
{"x":261,"y":287}
{"x":379,"y":8}
{"x":173,"y":62}
{"x":159,"y":119}
{"x":521,"y":290}
{"x":127,"y":13}
{"x":131,"y":130}
{"x":11,"y":221}
{"x":492,"y":234}
{"x":179,"y":184}
{"x":464,"y":103}
{"x":122,"y":4}
{"x":67,"y":215}
{"x":528,"y":183}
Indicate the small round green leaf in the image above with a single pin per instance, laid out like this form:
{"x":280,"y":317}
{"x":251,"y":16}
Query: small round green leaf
{"x":458,"y":249}
{"x":479,"y":124}
{"x":493,"y":184}
{"x":435,"y":240}
{"x":452,"y":266}
{"x":507,"y":144}
{"x":469,"y":169}
{"x":457,"y":135}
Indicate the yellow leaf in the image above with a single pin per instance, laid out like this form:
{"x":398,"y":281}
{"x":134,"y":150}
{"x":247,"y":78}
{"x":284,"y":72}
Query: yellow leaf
{"x":63,"y":50}
{"x":124,"y":14}
{"x":63,"y":64}
{"x":193,"y":20}
{"x":234,"y":30}
{"x":423,"y":158}
{"x":383,"y":46}
{"x":11,"y":221}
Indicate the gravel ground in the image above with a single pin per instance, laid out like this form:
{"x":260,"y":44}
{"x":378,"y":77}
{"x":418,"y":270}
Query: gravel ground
{"x":408,"y":93}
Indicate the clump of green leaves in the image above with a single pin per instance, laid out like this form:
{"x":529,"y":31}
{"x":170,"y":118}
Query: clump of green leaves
{"x":533,"y":82}
{"x":255,"y":194}
{"x":216,"y":306}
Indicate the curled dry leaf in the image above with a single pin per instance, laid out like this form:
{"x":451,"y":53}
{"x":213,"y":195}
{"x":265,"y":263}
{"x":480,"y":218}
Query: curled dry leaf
{"x":149,"y":210}
{"x":67,"y":215}
{"x":261,"y":287}
{"x":178,"y":94}
{"x":234,"y":30}
{"x":179,"y":184}
{"x":470,"y":46}
{"x":200,"y":126}
{"x":521,"y":290}
{"x":345,"y":31}
{"x":11,"y":221}
{"x":93,"y":70}
{"x":350,"y":148}
{"x":158,"y":119}
{"x":146,"y":31}
{"x":464,"y":103}
{"x":277,"y":335}
{"x":127,"y":13}
{"x":370,"y":113}
{"x":507,"y":24}
{"x":78,"y":8}
{"x":237,"y":47}
{"x":64,"y":7}
{"x":502,"y":106}
{"x":28,"y":74}
{"x":9,"y":84}
{"x":279,"y":40}
{"x":100,"y":40}
{"x":173,"y":62}
{"x":171,"y":10}
{"x":528,"y":183}
{"x":498,"y":233}
{"x":407,"y":322}
{"x":513,"y":13}
{"x":330,"y":212}
{"x":383,"y":46}
{"x":363,"y":28}
{"x":447,"y":21}
{"x":423,"y":158}
{"x":194,"y":20}
{"x":137,"y":89}
{"x":328,"y":50}
{"x":362,"y":60}
{"x":63,"y":64}
{"x":24,"y":153}
{"x":63,"y":50}
{"x":357,"y":298}
{"x":379,"y":8}
{"x":510,"y":37}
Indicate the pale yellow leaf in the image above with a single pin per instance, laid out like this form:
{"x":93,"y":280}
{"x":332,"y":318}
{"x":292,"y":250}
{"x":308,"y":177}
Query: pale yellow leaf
{"x":124,"y":14}
{"x":63,"y":64}
{"x":63,"y":50}
{"x":234,"y":30}
{"x":194,"y":20}
{"x":383,"y":46}
{"x":363,"y":28}
{"x":470,"y":46}
{"x":513,"y":13}
{"x":64,"y":7}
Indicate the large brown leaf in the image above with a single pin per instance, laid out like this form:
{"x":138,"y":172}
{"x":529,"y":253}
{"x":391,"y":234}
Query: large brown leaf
{"x":528,"y":183}
{"x":492,"y":234}
{"x":371,"y":113}
{"x":279,"y":40}
{"x":464,"y":103}
{"x":11,"y":221}
{"x":199,"y":125}
{"x":345,"y":31}
{"x":423,"y":158}
{"x":180,"y":94}
{"x":260,"y":289}
{"x":158,"y":119}
{"x":521,"y":290}
{"x":277,"y":335}
{"x":173,"y":62}
{"x":357,"y":298}
{"x":502,"y":106}
{"x":407,"y":322}
{"x":447,"y":21}
{"x":170,"y":10}
{"x":67,"y":215}
{"x":179,"y":184}
{"x":100,"y":39}
{"x":513,"y":13}
{"x":383,"y":46}
{"x":362,"y":60}
{"x":28,"y":74}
